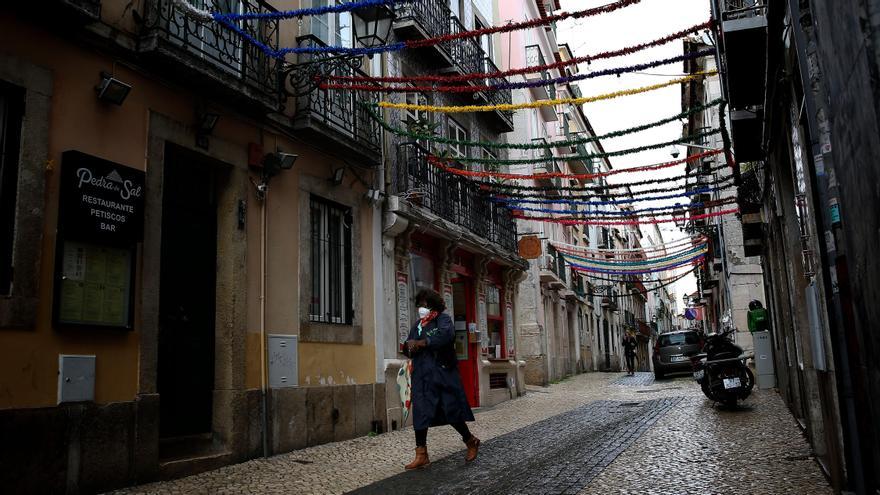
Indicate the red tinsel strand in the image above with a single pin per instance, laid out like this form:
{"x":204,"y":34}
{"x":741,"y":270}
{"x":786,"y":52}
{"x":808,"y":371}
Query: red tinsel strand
{"x":653,"y":221}
{"x":552,"y":175}
{"x":528,"y":70}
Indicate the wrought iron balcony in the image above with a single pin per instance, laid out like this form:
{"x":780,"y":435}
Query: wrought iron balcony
{"x":212,"y":57}
{"x":552,"y":266}
{"x":452,"y":198}
{"x":337,"y":117}
{"x":423,"y":20}
{"x":534,"y":57}
{"x":498,"y":97}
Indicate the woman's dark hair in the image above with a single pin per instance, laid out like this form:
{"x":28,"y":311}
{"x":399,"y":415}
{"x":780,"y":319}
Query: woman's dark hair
{"x":432,"y":299}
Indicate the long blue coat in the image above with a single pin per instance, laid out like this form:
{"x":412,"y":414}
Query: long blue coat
{"x":437,"y":394}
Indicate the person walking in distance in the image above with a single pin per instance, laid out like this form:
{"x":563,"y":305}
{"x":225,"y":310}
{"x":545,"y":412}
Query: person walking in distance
{"x":438,"y":396}
{"x":629,"y":351}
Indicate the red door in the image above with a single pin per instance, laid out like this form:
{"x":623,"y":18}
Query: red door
{"x":464,"y":315}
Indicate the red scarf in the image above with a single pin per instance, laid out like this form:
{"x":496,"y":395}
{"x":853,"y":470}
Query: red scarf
{"x":424,"y":321}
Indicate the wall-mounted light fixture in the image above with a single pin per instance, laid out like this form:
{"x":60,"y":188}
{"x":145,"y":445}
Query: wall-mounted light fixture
{"x":205,"y":123}
{"x":272,"y":165}
{"x":112,"y":90}
{"x":338,"y":176}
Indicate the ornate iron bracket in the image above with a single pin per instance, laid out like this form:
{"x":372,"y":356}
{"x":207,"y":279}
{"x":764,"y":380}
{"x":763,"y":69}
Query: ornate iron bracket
{"x":303,"y":77}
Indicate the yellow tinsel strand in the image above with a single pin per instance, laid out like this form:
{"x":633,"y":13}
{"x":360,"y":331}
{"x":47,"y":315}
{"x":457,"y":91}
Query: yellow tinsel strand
{"x":542,"y":103}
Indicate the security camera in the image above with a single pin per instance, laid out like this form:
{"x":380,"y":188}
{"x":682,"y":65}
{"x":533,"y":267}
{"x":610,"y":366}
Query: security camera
{"x":674,"y":152}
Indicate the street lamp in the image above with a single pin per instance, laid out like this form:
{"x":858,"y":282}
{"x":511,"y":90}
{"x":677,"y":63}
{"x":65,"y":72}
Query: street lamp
{"x":371,"y":28}
{"x":372,"y":25}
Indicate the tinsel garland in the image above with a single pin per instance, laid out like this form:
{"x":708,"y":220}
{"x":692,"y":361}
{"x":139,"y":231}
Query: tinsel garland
{"x":411,"y":44}
{"x":437,"y":162}
{"x":637,"y":265}
{"x":333,"y":8}
{"x":588,"y":156}
{"x":579,"y":267}
{"x":626,"y":200}
{"x":686,"y":241}
{"x":505,"y":188}
{"x":675,"y":210}
{"x":720,"y":185}
{"x":654,"y":210}
{"x":646,"y":291}
{"x":618,"y":71}
{"x":504,"y":107}
{"x":652,"y":221}
{"x":537,"y":144}
{"x":678,"y":253}
{"x":533,"y":69}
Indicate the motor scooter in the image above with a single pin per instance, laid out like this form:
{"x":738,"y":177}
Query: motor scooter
{"x":721,"y":370}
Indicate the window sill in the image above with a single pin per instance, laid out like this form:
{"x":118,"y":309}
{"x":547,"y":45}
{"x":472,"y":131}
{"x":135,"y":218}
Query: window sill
{"x":330,"y":333}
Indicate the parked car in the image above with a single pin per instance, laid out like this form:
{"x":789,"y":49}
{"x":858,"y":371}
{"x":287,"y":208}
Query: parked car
{"x":672,"y":352}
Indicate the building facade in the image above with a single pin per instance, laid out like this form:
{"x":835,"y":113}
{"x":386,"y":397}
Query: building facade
{"x":192,"y":269}
{"x":802,"y":86}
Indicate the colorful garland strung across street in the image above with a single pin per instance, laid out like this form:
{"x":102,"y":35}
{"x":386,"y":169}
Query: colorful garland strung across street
{"x":406,"y":88}
{"x":637,"y":271}
{"x":538,"y":144}
{"x":514,"y":202}
{"x":503,"y":107}
{"x":664,"y":283}
{"x":589,"y":156}
{"x":653,"y":262}
{"x":437,"y":162}
{"x":651,"y":211}
{"x":533,"y":69}
{"x":333,"y":8}
{"x":652,"y":221}
{"x":554,"y":198}
{"x":229,"y":22}
{"x":575,"y":248}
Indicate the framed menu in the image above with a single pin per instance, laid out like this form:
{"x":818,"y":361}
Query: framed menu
{"x":95,"y":285}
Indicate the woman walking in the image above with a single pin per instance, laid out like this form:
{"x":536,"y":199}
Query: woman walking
{"x":437,"y":394}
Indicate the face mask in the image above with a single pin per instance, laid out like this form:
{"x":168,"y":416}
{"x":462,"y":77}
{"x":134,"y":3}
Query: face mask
{"x":423,"y":312}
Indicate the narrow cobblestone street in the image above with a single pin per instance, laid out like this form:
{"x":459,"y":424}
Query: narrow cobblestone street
{"x":594,"y":433}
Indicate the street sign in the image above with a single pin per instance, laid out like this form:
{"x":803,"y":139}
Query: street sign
{"x":530,"y":247}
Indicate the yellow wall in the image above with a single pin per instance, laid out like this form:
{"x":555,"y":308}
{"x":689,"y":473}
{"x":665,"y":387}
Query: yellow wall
{"x":28,"y":358}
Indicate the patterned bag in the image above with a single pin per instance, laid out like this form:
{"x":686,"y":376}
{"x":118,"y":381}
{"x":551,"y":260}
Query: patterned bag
{"x":404,"y":386}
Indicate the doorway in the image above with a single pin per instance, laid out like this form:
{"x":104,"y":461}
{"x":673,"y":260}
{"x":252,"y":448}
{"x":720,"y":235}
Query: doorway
{"x":187,"y":299}
{"x":467,"y":345}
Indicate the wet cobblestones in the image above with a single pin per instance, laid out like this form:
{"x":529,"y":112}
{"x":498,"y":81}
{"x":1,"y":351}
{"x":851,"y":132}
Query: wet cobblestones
{"x":556,"y":456}
{"x":689,"y":447}
{"x":640,"y":379}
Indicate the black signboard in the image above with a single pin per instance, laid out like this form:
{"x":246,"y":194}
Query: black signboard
{"x":100,"y":201}
{"x":100,"y":222}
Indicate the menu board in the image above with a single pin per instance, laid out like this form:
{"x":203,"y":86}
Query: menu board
{"x":95,"y":285}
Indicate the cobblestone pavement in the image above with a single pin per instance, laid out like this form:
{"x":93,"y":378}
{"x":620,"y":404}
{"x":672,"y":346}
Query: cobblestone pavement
{"x":585,"y":434}
{"x":640,"y":378}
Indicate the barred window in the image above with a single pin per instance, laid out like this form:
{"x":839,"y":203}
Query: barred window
{"x":331,"y":300}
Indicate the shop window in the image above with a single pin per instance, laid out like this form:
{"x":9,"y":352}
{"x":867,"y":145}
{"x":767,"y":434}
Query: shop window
{"x":495,"y":317}
{"x":331,"y":296}
{"x":11,"y":112}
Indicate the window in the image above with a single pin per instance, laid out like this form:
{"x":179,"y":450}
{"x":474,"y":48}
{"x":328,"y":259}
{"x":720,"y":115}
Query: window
{"x":497,"y":348}
{"x":412,"y":117}
{"x":457,"y":132}
{"x":11,"y":112}
{"x":331,"y":300}
{"x":333,"y":29}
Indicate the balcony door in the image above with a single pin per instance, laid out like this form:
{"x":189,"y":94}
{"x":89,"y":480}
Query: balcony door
{"x":332,"y":29}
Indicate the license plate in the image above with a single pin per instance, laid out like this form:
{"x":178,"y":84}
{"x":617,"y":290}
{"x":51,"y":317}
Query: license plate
{"x":731,"y":383}
{"x":698,"y":375}
{"x":678,"y":359}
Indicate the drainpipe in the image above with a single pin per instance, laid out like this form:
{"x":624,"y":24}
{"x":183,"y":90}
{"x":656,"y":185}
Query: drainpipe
{"x":263,"y":274}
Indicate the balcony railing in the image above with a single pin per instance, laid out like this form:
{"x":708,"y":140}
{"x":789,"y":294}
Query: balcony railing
{"x":339,"y":114}
{"x":211,"y":49}
{"x":452,"y":198}
{"x":432,"y":16}
{"x":738,"y":9}
{"x":498,"y":97}
{"x":534,"y":57}
{"x":555,"y":262}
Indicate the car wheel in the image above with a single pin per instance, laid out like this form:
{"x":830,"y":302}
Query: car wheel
{"x":658,"y":375}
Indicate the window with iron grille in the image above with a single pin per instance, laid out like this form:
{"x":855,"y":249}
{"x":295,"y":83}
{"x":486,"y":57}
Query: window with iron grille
{"x":497,"y":380}
{"x":331,"y":300}
{"x":11,"y":112}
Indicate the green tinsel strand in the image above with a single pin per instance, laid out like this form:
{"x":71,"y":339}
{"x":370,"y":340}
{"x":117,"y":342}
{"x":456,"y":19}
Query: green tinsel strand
{"x":534,"y":145}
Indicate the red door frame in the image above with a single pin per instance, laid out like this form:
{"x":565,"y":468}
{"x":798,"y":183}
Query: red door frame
{"x":470,"y":375}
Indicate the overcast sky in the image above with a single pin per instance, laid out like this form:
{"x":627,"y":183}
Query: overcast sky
{"x":646,"y":21}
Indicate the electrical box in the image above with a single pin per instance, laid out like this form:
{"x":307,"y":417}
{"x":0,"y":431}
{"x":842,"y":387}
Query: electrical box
{"x":283,"y":361}
{"x":76,"y":378}
{"x":764,"y":367}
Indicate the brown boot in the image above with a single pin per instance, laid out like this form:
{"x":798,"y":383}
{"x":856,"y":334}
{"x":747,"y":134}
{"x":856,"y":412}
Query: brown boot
{"x":421,"y":459}
{"x":473,"y":446}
